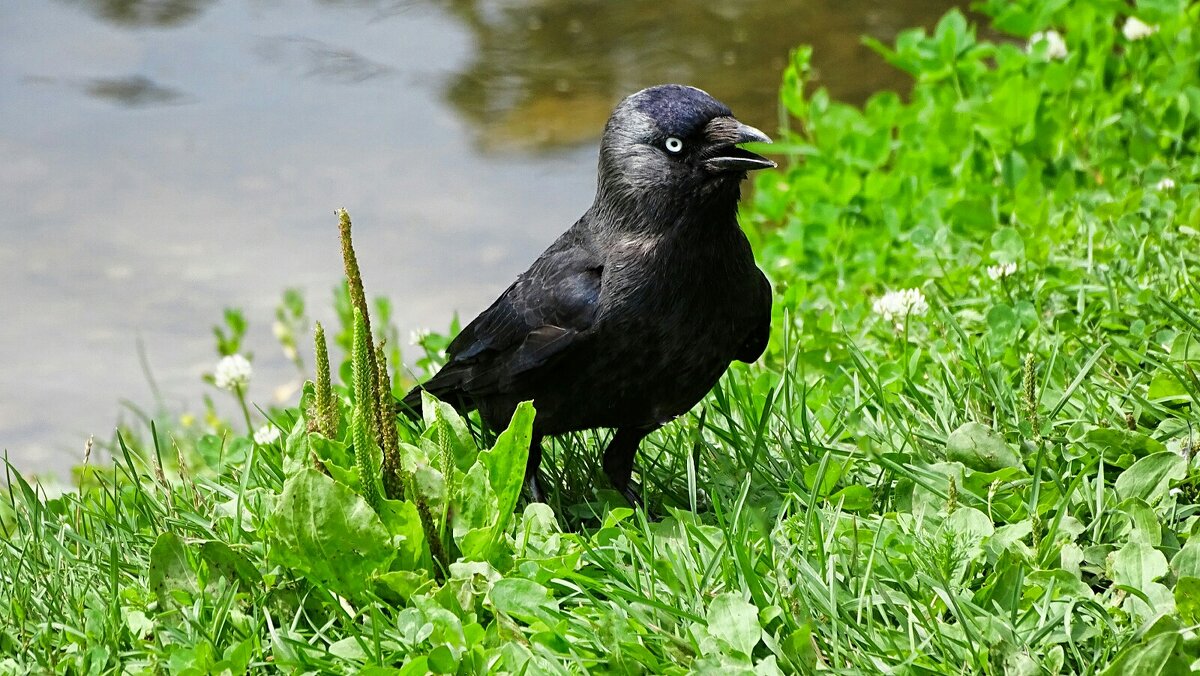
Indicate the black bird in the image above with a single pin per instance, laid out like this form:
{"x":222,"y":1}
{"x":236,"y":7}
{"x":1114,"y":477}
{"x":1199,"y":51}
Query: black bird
{"x":633,"y":314}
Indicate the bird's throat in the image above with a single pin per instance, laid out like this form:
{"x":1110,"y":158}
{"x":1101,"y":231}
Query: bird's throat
{"x":709,"y":210}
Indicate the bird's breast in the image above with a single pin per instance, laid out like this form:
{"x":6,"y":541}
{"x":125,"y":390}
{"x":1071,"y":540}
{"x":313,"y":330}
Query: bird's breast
{"x":673,"y":299}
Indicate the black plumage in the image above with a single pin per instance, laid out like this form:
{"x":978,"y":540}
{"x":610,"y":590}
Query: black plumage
{"x":635,"y":312}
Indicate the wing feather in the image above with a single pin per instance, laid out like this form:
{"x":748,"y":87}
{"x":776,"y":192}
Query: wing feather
{"x":540,"y":316}
{"x":760,"y":332}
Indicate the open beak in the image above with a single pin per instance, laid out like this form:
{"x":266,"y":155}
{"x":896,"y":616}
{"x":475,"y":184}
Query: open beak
{"x":733,"y":158}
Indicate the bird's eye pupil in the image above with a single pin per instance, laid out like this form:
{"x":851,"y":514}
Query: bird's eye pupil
{"x":673,"y":145}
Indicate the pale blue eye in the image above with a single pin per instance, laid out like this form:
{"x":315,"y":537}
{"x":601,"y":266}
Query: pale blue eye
{"x":673,"y":145}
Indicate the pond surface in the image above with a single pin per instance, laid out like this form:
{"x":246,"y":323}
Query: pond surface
{"x":163,"y":159}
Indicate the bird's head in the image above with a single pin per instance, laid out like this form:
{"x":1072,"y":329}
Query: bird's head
{"x":673,"y":140}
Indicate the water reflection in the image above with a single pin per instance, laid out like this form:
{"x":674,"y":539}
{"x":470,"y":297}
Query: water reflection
{"x":309,"y":57}
{"x":545,"y":73}
{"x":134,"y":91}
{"x":145,"y":13}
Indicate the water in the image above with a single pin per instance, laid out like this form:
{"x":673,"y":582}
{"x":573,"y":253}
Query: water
{"x":163,"y":159}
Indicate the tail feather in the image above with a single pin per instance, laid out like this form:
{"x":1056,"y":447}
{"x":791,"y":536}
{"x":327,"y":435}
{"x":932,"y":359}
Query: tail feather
{"x":410,"y":405}
{"x":445,"y":391}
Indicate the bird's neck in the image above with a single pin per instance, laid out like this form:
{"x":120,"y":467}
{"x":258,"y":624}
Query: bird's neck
{"x":708,"y":212}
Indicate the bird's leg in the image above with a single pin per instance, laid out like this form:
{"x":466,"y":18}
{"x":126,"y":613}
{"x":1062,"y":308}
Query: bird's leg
{"x":618,"y":460}
{"x":533,"y":479}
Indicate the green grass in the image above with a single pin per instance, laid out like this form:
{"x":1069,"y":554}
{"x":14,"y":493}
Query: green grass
{"x":1003,"y":483}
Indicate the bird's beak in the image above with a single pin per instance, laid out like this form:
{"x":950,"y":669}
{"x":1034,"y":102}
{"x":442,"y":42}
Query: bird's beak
{"x":733,"y":158}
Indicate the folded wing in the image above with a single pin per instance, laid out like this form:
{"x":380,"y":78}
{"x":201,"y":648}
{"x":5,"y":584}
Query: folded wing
{"x":537,"y":319}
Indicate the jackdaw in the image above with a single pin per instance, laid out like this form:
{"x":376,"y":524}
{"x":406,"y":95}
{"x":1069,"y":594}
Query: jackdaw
{"x":633,"y":314}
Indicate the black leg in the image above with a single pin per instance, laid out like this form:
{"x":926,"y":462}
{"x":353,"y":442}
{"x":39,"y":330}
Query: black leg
{"x":533,"y":479}
{"x":618,"y":460}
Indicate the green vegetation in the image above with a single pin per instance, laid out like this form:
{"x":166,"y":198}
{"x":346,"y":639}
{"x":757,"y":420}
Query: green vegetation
{"x":992,"y":472}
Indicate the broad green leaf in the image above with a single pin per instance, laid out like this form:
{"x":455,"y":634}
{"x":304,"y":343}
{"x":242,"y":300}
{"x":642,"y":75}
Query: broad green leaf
{"x":297,"y":450}
{"x":171,"y":576}
{"x":1070,"y":558}
{"x":970,"y":525}
{"x":222,"y":559}
{"x":1186,"y":562}
{"x":333,"y":454}
{"x":1009,"y":537}
{"x":1137,"y":564}
{"x":1144,"y":524}
{"x":539,"y":538}
{"x":1165,"y":385}
{"x":1157,"y":656}
{"x":735,"y":622}
{"x":1150,"y":477}
{"x":505,"y":461}
{"x":329,"y":534}
{"x":517,"y":659}
{"x":473,"y":572}
{"x":478,"y":513}
{"x":1187,"y":599}
{"x":403,"y":521}
{"x":822,"y":476}
{"x":980,"y":448}
{"x":852,"y":498}
{"x":236,"y":658}
{"x":431,"y":483}
{"x":138,"y":623}
{"x":1018,"y":663}
{"x":399,"y":586}
{"x":415,"y":665}
{"x":1003,"y":324}
{"x":1115,"y":442}
{"x":349,"y":648}
{"x":447,"y":626}
{"x":1054,"y":660}
{"x":197,"y":658}
{"x":1060,"y":584}
{"x":1007,"y":245}
{"x":1186,"y":349}
{"x":492,"y":487}
{"x":524,"y":599}
{"x":442,"y":661}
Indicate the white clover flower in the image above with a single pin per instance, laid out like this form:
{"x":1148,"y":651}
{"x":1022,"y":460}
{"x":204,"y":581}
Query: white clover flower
{"x":1136,"y":29}
{"x":1165,"y":184}
{"x":896,"y":306}
{"x":1056,"y":47}
{"x":267,"y":434}
{"x":233,"y":372}
{"x":1001,"y":270}
{"x":418,"y":336}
